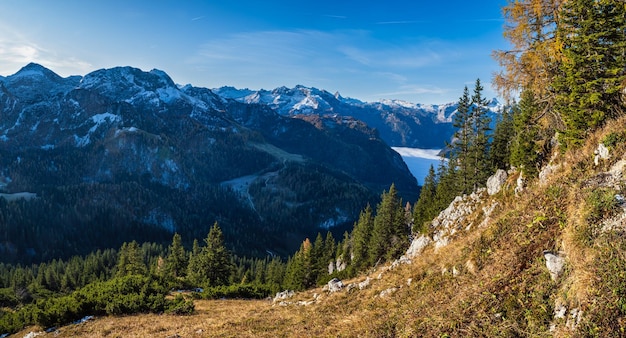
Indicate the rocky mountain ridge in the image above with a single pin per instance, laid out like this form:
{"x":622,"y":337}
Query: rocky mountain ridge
{"x":132,"y":149}
{"x":399,"y":123}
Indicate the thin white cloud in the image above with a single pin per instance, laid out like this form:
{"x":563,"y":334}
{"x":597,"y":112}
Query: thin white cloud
{"x":336,"y":16}
{"x":402,"y":22}
{"x":16,"y":51}
{"x":395,"y":77}
{"x":415,"y":90}
{"x":352,"y":62}
{"x":357,"y":55}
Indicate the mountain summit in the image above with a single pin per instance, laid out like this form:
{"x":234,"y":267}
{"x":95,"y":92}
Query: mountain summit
{"x":399,"y":123}
{"x":122,"y":154}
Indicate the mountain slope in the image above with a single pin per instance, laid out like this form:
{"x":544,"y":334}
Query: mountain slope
{"x":486,"y":268}
{"x":122,"y":154}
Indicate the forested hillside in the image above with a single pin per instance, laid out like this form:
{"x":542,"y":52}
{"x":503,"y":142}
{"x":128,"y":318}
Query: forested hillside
{"x":121,"y":154}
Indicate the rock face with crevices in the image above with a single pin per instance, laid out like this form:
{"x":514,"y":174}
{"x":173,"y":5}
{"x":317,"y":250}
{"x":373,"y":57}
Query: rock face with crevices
{"x":452,"y":219}
{"x":334,"y":285}
{"x":496,"y":181}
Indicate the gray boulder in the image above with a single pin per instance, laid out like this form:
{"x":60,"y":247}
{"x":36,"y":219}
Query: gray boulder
{"x":283,"y":295}
{"x":496,"y":181}
{"x":335,"y":285}
{"x":602,"y":153}
{"x":555,"y":264}
{"x":417,"y":246}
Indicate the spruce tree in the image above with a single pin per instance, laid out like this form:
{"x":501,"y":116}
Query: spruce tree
{"x":390,"y":233}
{"x":479,"y":147}
{"x":176,"y":261}
{"x":360,"y":239}
{"x":593,"y":70}
{"x":298,"y":274}
{"x":328,"y":256}
{"x":275,"y":275}
{"x":318,"y":265}
{"x":130,"y":260}
{"x":447,"y":184}
{"x":463,"y":137}
{"x":503,"y":135}
{"x":195,"y":273}
{"x":524,"y":148}
{"x":216,"y":260}
{"x":425,"y":209}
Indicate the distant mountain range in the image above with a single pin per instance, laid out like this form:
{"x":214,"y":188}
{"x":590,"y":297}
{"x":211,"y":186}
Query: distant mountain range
{"x":122,"y":154}
{"x":399,"y":123}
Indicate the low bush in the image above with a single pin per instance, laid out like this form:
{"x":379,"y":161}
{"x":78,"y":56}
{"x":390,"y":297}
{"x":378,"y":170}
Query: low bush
{"x":245,"y":291}
{"x":181,"y":306}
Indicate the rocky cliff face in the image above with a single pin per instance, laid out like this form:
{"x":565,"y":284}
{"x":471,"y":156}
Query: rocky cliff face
{"x":192,"y":156}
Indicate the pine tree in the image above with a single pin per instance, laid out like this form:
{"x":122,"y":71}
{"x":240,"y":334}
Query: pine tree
{"x":130,"y":260}
{"x":298,"y":274}
{"x":463,"y":137}
{"x":524,"y":148}
{"x":318,"y":265}
{"x":360,"y":239}
{"x":330,"y":247}
{"x":503,"y":135}
{"x":195,"y":273}
{"x":275,"y":275}
{"x":328,"y":256}
{"x":479,"y":166}
{"x":425,"y":209}
{"x":216,"y":260}
{"x":390,"y":233}
{"x":447,"y":186}
{"x":594,"y":65}
{"x":176,"y":261}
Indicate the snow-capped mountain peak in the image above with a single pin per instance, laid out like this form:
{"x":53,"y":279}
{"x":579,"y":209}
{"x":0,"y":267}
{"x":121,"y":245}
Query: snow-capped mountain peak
{"x":400,"y":123}
{"x":35,"y":70}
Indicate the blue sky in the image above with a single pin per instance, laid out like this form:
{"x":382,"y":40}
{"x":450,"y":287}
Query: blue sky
{"x":418,"y":51}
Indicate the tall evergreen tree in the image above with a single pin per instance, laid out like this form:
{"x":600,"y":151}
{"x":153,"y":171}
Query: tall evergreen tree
{"x":216,"y":260}
{"x":130,"y":261}
{"x":390,"y":233}
{"x":360,"y":239}
{"x":503,"y":135}
{"x":594,"y":65}
{"x":195,"y":273}
{"x":425,"y":209}
{"x":298,"y":274}
{"x":176,"y":261}
{"x":480,"y":168}
{"x":318,"y":265}
{"x":275,"y":273}
{"x":524,"y":148}
{"x":460,"y":146}
{"x":328,"y":255}
{"x":447,"y":184}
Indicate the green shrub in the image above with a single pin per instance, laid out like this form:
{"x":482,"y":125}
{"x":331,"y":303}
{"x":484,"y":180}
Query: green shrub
{"x":181,"y":306}
{"x":246,"y":291}
{"x":603,"y":204}
{"x":8,"y":298}
{"x":613,"y":139}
